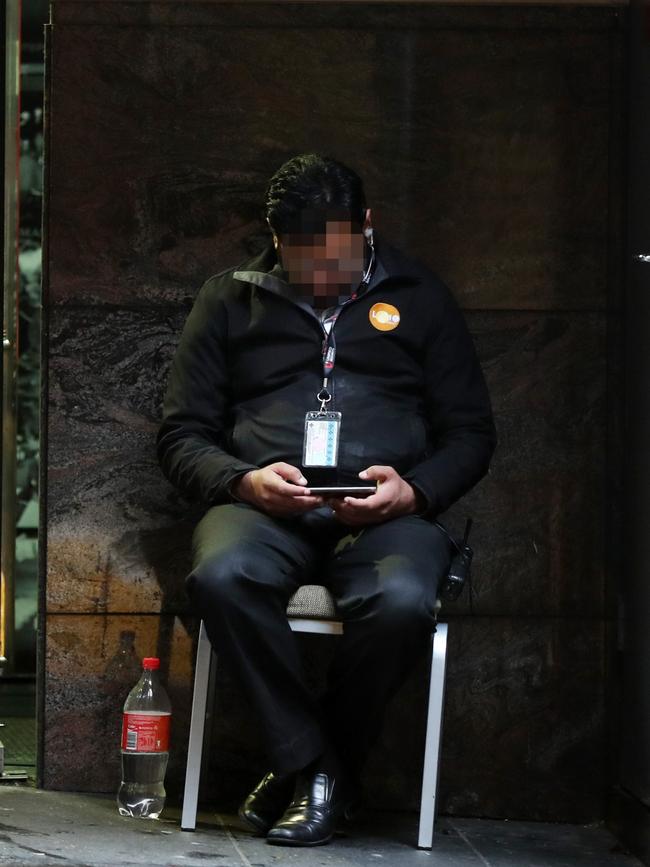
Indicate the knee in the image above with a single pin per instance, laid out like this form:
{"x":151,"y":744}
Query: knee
{"x":221,"y":578}
{"x":403,"y":605}
{"x":403,"y":600}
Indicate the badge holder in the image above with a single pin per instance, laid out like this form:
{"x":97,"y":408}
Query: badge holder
{"x":322,"y":434}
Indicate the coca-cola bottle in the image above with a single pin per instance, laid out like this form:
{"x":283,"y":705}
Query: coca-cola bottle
{"x":145,"y":745}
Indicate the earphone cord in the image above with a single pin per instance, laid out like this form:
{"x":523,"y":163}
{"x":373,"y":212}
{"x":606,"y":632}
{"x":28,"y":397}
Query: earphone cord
{"x":366,"y":274}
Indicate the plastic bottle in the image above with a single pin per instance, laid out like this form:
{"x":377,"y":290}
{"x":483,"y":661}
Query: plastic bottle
{"x":145,"y":746}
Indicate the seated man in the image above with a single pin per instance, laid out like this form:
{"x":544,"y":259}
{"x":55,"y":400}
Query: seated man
{"x":331,"y":359}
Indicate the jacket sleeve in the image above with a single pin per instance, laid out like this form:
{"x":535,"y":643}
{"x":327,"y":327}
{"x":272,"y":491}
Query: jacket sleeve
{"x":459,"y":412}
{"x":191,"y":437}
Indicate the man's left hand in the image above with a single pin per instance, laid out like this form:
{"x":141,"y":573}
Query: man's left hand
{"x":394,"y":497}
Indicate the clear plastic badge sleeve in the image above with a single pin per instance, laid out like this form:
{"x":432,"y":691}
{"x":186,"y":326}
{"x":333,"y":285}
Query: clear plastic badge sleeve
{"x":321,"y":442}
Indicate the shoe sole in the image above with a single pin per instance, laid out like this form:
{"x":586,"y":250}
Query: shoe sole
{"x":337,"y":832}
{"x":276,"y":841}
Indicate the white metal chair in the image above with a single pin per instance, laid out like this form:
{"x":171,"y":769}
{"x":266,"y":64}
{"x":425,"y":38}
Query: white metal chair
{"x":312,"y":609}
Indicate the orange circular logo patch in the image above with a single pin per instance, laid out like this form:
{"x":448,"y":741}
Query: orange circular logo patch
{"x":384,"y":317}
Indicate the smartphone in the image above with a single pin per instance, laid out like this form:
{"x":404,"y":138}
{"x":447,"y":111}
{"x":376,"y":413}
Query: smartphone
{"x":343,"y":491}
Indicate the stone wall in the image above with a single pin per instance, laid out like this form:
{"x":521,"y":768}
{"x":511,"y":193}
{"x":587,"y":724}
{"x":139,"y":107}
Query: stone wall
{"x":490,"y":140}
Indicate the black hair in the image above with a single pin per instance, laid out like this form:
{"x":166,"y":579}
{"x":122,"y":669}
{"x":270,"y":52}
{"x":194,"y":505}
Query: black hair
{"x":311,"y":182}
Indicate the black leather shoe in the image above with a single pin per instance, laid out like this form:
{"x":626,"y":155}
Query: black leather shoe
{"x":313,"y":814}
{"x":267,"y":802}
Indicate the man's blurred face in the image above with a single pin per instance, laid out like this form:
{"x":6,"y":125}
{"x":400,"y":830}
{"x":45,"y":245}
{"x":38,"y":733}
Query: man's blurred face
{"x":324,"y":256}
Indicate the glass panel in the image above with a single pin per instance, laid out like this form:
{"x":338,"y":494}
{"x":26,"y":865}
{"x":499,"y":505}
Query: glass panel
{"x":23,"y":172}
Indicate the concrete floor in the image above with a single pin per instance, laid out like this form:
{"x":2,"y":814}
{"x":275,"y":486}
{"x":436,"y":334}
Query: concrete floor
{"x":71,"y":830}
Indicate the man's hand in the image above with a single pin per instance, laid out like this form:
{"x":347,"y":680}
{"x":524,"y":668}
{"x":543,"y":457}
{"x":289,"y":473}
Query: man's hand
{"x":278,"y":489}
{"x":394,"y":497}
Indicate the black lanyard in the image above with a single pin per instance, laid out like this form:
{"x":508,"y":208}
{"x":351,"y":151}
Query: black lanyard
{"x":329,"y":341}
{"x":329,"y":353}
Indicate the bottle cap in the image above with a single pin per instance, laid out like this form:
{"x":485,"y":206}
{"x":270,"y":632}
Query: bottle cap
{"x":151,"y":662}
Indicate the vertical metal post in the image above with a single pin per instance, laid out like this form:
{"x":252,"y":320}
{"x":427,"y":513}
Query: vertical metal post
{"x":205,"y":666}
{"x":433,"y":736}
{"x":10,"y":290}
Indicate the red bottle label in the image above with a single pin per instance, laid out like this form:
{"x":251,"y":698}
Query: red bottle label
{"x":145,"y":732}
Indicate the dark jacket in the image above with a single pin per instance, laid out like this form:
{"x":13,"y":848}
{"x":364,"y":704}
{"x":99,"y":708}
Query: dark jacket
{"x":249,"y":366}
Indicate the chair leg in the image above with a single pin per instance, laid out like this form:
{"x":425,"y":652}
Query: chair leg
{"x":209,"y":712}
{"x":433,"y":737}
{"x":202,"y":678}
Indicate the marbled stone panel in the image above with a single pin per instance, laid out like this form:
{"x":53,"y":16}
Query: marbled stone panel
{"x":523,"y":731}
{"x":386,"y":14}
{"x":157,"y":171}
{"x":119,"y":533}
{"x":527,"y":716}
{"x":523,"y":728}
{"x":85,"y":693}
{"x":524,"y":723}
{"x":542,"y":517}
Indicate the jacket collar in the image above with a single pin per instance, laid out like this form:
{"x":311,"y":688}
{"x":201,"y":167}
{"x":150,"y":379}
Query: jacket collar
{"x":265,"y":270}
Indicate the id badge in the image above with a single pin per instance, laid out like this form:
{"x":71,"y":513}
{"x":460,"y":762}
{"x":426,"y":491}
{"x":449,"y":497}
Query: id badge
{"x":321,"y":444}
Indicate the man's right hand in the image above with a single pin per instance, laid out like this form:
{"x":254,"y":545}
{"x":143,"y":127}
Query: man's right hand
{"x":278,"y":489}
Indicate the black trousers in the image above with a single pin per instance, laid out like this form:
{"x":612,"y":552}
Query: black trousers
{"x":247,"y":565}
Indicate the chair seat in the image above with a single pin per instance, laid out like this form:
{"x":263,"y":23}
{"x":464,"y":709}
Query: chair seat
{"x":312,"y":601}
{"x":316,"y":602}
